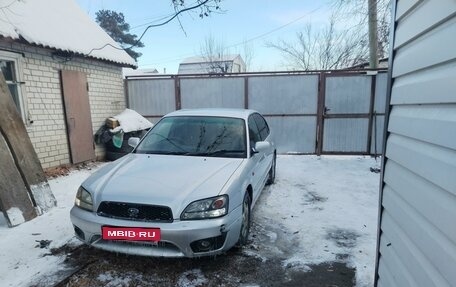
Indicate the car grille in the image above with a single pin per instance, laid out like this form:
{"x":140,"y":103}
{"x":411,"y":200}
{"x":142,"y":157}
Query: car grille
{"x":135,"y":211}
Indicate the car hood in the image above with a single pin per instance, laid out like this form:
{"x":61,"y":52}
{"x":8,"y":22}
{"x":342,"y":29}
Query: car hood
{"x":167,"y":180}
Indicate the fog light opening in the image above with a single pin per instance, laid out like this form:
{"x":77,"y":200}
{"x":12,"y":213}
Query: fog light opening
{"x":79,"y":233}
{"x":205,"y":245}
{"x":208,"y":244}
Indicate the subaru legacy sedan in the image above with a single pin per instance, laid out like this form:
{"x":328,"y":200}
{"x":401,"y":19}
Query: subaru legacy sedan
{"x":186,"y":190}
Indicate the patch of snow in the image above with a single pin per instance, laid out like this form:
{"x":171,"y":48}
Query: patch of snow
{"x":272,"y":236}
{"x":329,"y":205}
{"x":15,"y":216}
{"x":296,"y":265}
{"x":42,"y":194}
{"x":321,"y":209}
{"x":22,"y":262}
{"x":254,"y":254}
{"x":105,"y":277}
{"x":130,"y":121}
{"x":112,"y":280}
{"x":192,"y":278}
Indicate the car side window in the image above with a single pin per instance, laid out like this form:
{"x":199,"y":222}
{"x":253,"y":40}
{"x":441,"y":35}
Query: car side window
{"x":254,"y":134}
{"x":262,"y":126}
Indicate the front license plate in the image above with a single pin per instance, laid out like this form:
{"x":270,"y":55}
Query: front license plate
{"x":130,"y":233}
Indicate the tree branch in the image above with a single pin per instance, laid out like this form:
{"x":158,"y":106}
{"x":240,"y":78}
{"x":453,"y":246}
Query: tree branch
{"x":170,"y":19}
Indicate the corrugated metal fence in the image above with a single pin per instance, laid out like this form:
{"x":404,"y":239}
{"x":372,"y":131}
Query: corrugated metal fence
{"x":322,"y":112}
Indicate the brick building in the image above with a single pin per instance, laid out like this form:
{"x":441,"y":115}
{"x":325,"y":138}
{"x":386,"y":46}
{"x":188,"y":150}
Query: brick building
{"x":64,"y":74}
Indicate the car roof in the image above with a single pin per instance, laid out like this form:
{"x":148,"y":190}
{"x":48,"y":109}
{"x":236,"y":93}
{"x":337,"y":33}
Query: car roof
{"x":219,"y":112}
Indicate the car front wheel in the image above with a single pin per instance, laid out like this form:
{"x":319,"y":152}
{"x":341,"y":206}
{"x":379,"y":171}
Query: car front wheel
{"x":245,"y":227}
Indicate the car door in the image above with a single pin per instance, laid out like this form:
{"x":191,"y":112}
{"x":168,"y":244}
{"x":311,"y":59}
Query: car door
{"x":264,"y":131}
{"x":256,"y":159}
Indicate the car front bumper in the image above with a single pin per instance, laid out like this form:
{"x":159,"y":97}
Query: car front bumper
{"x":176,"y":237}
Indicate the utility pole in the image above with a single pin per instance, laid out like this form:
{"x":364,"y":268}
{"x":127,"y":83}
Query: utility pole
{"x":373,"y":37}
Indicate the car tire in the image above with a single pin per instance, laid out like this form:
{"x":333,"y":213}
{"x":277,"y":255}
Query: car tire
{"x":245,"y":227}
{"x":272,"y":171}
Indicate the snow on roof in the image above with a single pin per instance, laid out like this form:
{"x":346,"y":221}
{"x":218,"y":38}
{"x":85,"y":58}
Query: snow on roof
{"x":59,"y":24}
{"x":200,"y":59}
{"x":195,"y":68}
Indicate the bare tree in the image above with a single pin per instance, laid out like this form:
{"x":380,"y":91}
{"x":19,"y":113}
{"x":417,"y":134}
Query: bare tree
{"x":214,"y":53}
{"x":247,"y":53}
{"x":335,"y":48}
{"x":384,"y":25}
{"x":218,"y":57}
{"x":371,"y":19}
{"x":327,"y":48}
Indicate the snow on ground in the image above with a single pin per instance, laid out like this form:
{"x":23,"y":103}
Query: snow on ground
{"x":21,"y":257}
{"x":192,"y":278}
{"x":329,"y":205}
{"x":321,"y":209}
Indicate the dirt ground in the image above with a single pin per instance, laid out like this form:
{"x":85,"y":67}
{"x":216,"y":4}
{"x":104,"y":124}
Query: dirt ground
{"x":64,"y":170}
{"x":260,"y":263}
{"x":238,"y":267}
{"x":267,"y":260}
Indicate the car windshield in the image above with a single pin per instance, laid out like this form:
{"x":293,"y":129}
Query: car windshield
{"x":196,"y":136}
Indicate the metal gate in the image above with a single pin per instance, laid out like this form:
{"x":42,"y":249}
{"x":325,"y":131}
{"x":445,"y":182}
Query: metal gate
{"x":322,"y":112}
{"x":349,"y":121}
{"x":290,"y":106}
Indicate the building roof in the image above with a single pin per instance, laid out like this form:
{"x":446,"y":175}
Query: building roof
{"x":129,"y":72}
{"x":194,"y":68}
{"x":382,"y":63}
{"x":61,"y":25}
{"x":200,"y":59}
{"x":210,"y":65}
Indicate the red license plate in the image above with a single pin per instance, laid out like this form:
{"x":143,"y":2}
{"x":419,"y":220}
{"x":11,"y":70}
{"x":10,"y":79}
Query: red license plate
{"x":131,"y":233}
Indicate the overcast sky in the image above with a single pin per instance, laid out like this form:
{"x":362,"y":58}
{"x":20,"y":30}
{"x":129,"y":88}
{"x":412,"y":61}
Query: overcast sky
{"x":257,"y":21}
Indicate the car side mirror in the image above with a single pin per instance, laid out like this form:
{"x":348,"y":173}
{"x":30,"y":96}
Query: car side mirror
{"x":261,"y":147}
{"x":133,"y":142}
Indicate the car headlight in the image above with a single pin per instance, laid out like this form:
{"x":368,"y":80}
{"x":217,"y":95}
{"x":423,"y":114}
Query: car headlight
{"x":206,"y":208}
{"x":83,"y":199}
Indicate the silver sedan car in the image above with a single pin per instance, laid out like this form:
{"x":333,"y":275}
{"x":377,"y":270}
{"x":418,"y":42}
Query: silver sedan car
{"x":186,"y":190}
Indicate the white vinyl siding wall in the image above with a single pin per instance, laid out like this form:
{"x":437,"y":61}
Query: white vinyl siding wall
{"x":418,"y":216}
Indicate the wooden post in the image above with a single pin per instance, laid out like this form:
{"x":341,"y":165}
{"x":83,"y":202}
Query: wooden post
{"x":15,"y":202}
{"x":321,"y":112}
{"x":373,"y":34}
{"x":22,"y":153}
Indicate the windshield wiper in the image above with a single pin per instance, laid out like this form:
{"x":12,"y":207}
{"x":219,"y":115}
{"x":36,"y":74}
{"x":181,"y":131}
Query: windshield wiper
{"x":164,"y":152}
{"x":215,"y":153}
